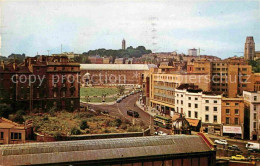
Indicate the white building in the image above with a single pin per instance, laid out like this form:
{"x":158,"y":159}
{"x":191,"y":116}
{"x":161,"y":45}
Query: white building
{"x":193,"y":52}
{"x":252,"y":102}
{"x":197,"y":105}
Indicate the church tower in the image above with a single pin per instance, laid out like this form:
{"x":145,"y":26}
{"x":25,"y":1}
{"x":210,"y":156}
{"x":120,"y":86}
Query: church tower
{"x":123,"y":44}
{"x":249,"y":52}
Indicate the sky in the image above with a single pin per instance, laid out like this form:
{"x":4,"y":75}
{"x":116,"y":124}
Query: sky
{"x":216,"y":27}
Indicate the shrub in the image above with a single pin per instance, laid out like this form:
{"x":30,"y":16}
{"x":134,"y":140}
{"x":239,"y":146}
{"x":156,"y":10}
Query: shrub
{"x":52,"y":111}
{"x":75,"y":131}
{"x":45,"y":118}
{"x":83,"y":125}
{"x":5,"y":110}
{"x":19,"y":118}
{"x":57,"y":135}
{"x":123,"y":126}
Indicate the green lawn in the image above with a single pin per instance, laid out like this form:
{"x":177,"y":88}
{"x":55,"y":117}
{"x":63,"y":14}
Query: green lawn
{"x":99,"y":99}
{"x":90,"y":91}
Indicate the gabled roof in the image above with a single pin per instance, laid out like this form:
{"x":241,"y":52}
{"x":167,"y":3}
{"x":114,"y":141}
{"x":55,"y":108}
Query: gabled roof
{"x":8,"y":124}
{"x":102,"y":149}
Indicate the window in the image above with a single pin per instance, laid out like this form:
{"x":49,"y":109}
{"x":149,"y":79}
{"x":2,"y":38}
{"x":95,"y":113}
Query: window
{"x":207,"y":101}
{"x":254,"y":107}
{"x":189,"y":113}
{"x":55,"y":94}
{"x":177,"y":101}
{"x":236,"y":111}
{"x":206,"y":108}
{"x":196,"y":98}
{"x":181,"y":102}
{"x":227,"y":111}
{"x":17,"y":136}
{"x":255,"y":98}
{"x":227,"y":104}
{"x":236,"y":121}
{"x":215,"y":101}
{"x":254,"y":125}
{"x":236,"y":104}
{"x":189,"y":98}
{"x":255,"y":116}
{"x":1,"y":135}
{"x":227,"y":120}
{"x":215,"y":117}
{"x":206,"y":118}
{"x":196,"y":114}
{"x":63,"y":68}
{"x":181,"y":95}
{"x":196,"y":105}
{"x":55,"y":68}
{"x":215,"y":108}
{"x":189,"y":104}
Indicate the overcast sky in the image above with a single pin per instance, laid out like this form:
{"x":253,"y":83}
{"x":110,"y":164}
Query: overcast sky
{"x":217,"y":27}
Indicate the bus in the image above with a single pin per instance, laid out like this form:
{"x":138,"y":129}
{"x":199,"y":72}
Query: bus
{"x":162,"y":121}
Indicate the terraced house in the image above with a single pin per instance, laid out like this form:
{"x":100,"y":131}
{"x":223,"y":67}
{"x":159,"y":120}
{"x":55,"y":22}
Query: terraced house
{"x":40,"y":83}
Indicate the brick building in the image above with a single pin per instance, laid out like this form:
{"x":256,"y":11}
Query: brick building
{"x":232,"y":116}
{"x":53,"y":83}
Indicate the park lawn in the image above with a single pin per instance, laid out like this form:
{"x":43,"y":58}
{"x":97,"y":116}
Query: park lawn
{"x":91,"y":91}
{"x":99,"y":99}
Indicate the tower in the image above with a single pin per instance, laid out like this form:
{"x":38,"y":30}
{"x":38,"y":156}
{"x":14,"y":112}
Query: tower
{"x":249,"y":52}
{"x":123,"y":44}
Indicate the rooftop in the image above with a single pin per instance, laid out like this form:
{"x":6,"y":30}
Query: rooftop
{"x":102,"y":149}
{"x":116,"y":66}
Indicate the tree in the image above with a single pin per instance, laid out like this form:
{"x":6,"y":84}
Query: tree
{"x":83,"y":125}
{"x":121,"y":89}
{"x":75,"y":131}
{"x":5,"y":110}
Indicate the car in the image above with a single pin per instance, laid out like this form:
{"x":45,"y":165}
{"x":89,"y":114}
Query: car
{"x":118,"y":100}
{"x":131,"y":93}
{"x":221,"y":142}
{"x":161,"y":133}
{"x":233,"y":147}
{"x":238,"y":157}
{"x":133,"y":113}
{"x":82,"y":106}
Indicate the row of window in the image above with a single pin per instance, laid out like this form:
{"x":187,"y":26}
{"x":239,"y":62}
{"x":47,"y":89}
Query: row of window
{"x":14,"y":136}
{"x":236,"y":111}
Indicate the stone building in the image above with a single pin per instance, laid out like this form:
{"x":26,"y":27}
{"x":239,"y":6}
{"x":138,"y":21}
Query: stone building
{"x":41,"y":83}
{"x":249,"y":52}
{"x":229,"y":76}
{"x":114,"y":74}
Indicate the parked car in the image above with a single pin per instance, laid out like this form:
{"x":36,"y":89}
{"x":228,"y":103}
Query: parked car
{"x":238,"y":157}
{"x":233,"y":147}
{"x":161,"y":133}
{"x":132,"y":93}
{"x":133,"y":113}
{"x":221,"y":142}
{"x":118,"y":100}
{"x":253,"y":147}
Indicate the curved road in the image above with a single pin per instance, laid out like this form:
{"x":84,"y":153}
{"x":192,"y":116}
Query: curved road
{"x":120,"y":109}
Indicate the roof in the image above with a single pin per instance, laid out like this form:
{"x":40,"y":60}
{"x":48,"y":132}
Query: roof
{"x":101,"y":149}
{"x":8,"y":124}
{"x":116,"y":66}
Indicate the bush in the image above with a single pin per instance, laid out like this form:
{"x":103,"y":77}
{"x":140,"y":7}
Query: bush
{"x":45,"y":118}
{"x":19,"y":118}
{"x":75,"y":131}
{"x":52,"y":111}
{"x":5,"y":110}
{"x":57,"y":135}
{"x":83,"y":125}
{"x":123,"y":126}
